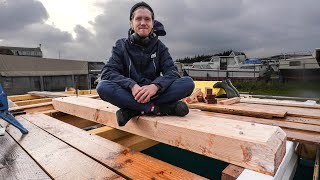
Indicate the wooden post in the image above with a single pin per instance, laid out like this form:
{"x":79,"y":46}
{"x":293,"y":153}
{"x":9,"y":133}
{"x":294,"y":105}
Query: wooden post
{"x":316,"y":165}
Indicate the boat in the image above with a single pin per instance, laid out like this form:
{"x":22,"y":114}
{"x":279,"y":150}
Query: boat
{"x":235,"y":66}
{"x":300,"y":66}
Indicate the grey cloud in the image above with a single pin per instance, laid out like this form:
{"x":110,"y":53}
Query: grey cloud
{"x":258,"y":28}
{"x":15,"y":14}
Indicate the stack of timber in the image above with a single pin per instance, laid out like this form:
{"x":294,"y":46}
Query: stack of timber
{"x":300,"y":121}
{"x":57,"y":148}
{"x":236,"y":133}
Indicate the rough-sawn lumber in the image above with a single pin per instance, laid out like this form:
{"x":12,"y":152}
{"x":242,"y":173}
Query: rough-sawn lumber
{"x":57,"y":158}
{"x":33,"y":101}
{"x":239,"y":110}
{"x":257,"y":147}
{"x":124,"y":161}
{"x":279,"y":103}
{"x":49,"y":94}
{"x":15,"y":163}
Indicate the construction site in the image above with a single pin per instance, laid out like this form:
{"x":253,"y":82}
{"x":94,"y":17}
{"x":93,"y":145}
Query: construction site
{"x":159,"y":90}
{"x":60,"y":118}
{"x":74,"y":135}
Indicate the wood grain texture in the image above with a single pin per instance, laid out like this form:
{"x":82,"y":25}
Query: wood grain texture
{"x":73,"y":120}
{"x":32,"y":101}
{"x":295,"y":131}
{"x":291,"y":111}
{"x":137,"y":143}
{"x":15,"y":163}
{"x":230,"y":101}
{"x":82,"y":92}
{"x":49,"y":94}
{"x":238,"y":109}
{"x":109,"y":133}
{"x":259,"y":147}
{"x":56,"y":157}
{"x":302,"y":136}
{"x":132,"y":164}
{"x":134,"y":142}
{"x":303,"y":120}
{"x":231,"y":172}
{"x":22,"y":97}
{"x":33,"y":107}
{"x":283,"y":123}
{"x":279,"y":103}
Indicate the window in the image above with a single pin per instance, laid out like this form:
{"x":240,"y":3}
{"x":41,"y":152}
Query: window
{"x":223,"y":63}
{"x":295,"y":63}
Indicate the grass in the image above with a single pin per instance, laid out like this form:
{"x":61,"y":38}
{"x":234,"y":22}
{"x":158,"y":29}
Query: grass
{"x":292,"y":88}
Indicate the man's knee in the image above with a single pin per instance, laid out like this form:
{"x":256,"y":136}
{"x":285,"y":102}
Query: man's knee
{"x":188,"y":84}
{"x":105,"y":89}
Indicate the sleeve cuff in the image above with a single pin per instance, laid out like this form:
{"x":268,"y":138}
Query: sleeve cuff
{"x":132,"y":84}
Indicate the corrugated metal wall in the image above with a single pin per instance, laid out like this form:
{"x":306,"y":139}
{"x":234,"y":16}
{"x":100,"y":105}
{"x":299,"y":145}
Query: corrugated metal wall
{"x":19,"y":75}
{"x":22,"y":85}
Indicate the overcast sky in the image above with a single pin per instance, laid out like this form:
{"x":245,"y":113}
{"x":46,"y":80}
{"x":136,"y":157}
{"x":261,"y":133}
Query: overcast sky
{"x":87,"y":29}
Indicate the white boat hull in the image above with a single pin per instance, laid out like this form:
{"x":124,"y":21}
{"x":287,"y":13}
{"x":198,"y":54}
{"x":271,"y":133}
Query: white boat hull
{"x":210,"y":74}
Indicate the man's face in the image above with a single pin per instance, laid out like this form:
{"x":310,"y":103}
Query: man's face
{"x":142,"y":22}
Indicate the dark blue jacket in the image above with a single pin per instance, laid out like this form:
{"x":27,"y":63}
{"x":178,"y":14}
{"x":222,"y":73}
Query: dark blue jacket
{"x":133,"y":64}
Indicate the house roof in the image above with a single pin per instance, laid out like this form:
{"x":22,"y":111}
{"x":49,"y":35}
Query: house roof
{"x":20,"y":48}
{"x":36,"y":66}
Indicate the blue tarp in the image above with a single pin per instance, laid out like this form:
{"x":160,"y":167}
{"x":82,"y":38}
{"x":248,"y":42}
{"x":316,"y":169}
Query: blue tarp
{"x":252,"y":61}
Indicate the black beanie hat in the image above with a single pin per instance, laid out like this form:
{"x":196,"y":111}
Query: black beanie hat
{"x":139,"y":4}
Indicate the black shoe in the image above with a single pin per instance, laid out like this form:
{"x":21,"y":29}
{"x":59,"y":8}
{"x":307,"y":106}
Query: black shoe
{"x":179,"y":108}
{"x":234,"y":88}
{"x":124,"y":115}
{"x":224,"y":85}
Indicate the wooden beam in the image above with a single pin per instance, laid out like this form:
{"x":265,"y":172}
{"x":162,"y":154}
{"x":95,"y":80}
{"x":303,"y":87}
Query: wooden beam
{"x":22,"y":97}
{"x":82,"y":92}
{"x":291,"y":111}
{"x":56,"y":157}
{"x":15,"y":163}
{"x":316,"y":165}
{"x":109,"y":133}
{"x":33,"y":107}
{"x":259,"y":147}
{"x":134,"y":142}
{"x":239,"y":110}
{"x":137,"y":143}
{"x":295,"y":131}
{"x":231,"y":172}
{"x":230,"y":101}
{"x":194,"y":96}
{"x":133,"y":165}
{"x":32,"y":101}
{"x":274,"y":122}
{"x":50,"y":112}
{"x":302,"y":136}
{"x":279,"y":103}
{"x":281,"y":97}
{"x":303,"y":120}
{"x":286,"y":169}
{"x":73,"y":120}
{"x":94,"y":96}
{"x":49,"y":94}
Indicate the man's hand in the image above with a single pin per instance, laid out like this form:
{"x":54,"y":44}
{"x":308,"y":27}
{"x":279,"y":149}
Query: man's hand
{"x":135,"y":90}
{"x":144,"y":94}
